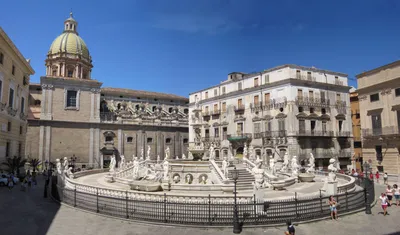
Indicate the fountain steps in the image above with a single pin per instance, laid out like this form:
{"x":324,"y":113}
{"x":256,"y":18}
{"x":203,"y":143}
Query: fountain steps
{"x":245,"y":179}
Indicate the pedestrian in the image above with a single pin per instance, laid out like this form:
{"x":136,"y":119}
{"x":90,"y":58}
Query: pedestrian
{"x":29,"y":182}
{"x":377,"y":177}
{"x":10,"y":183}
{"x":371,"y":176}
{"x":332,"y":206}
{"x":385,"y":178}
{"x":384,"y":201}
{"x":396,"y":190}
{"x":353,"y":171}
{"x":290,"y":228}
{"x":389,"y":194}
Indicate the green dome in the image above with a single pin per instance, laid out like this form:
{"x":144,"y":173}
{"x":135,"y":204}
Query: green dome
{"x":69,"y":42}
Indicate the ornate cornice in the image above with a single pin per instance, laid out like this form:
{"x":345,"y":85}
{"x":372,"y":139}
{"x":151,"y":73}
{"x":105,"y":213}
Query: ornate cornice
{"x":387,"y":91}
{"x":95,"y":91}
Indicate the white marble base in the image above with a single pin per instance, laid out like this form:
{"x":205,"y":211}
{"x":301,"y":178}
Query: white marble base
{"x":331,"y":188}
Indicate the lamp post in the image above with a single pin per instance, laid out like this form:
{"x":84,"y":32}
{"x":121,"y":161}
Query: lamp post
{"x":367,"y":185}
{"x":236,"y":225}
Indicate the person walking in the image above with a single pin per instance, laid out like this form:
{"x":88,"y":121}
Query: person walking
{"x":396,"y":190}
{"x":371,"y":176}
{"x":385,"y":178}
{"x":332,"y":206}
{"x":384,"y":201}
{"x":377,"y":177}
{"x":290,"y":228}
{"x":389,"y":194}
{"x":29,"y":182}
{"x":10,"y":182}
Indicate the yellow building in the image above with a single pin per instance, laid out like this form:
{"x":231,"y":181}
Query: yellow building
{"x":14,"y":92}
{"x":355,"y":120}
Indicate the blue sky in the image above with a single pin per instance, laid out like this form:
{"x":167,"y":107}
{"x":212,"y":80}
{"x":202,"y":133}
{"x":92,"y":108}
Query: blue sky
{"x":178,"y":46}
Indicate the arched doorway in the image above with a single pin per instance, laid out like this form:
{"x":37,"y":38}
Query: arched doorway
{"x":216,"y":154}
{"x":239,"y":152}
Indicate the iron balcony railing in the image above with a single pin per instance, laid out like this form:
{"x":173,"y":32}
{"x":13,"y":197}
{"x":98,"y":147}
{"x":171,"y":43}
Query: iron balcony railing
{"x":269,"y":134}
{"x":256,"y":106}
{"x":216,"y":112}
{"x":306,"y":77}
{"x":343,"y":133}
{"x":239,"y":108}
{"x":340,"y":103}
{"x":314,"y":133}
{"x":239,"y":136}
{"x":205,"y":113}
{"x":388,"y":130}
{"x":311,"y":101}
{"x":108,"y":117}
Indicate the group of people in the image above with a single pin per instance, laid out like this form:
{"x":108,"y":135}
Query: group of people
{"x":28,"y":181}
{"x":387,"y":197}
{"x":371,"y":176}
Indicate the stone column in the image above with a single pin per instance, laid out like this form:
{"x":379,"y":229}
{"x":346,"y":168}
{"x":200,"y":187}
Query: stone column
{"x":120,"y":139}
{"x":43,"y":104}
{"x":77,"y":71}
{"x":92,"y":106}
{"x":97,"y":110}
{"x":48,"y":143}
{"x":49,"y":114}
{"x":97,"y":147}
{"x":91,"y":144}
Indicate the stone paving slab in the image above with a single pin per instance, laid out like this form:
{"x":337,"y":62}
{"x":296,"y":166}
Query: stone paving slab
{"x":29,"y":213}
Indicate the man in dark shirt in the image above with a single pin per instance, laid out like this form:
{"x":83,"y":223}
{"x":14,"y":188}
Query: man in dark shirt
{"x":290,"y":228}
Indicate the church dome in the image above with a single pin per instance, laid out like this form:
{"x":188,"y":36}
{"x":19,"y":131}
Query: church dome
{"x":69,"y":42}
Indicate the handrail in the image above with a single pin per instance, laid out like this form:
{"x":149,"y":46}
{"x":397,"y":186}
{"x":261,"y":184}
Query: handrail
{"x":214,"y":167}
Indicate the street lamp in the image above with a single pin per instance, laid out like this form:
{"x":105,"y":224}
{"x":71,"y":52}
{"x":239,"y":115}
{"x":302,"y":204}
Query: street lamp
{"x":236,"y":225}
{"x":367,"y":185}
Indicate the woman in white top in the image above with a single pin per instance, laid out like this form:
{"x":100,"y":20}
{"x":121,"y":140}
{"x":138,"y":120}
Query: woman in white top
{"x":384,"y":203}
{"x":389,"y":194}
{"x":396,"y":190}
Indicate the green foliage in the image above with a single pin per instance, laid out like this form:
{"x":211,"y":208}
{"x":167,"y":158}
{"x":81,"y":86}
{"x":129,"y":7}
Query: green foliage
{"x":35,"y":163}
{"x":14,"y":164}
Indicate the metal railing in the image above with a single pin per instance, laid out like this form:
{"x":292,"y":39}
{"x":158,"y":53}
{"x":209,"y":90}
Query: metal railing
{"x":266,"y":134}
{"x":314,"y":133}
{"x":240,"y":135}
{"x":343,"y":133}
{"x":388,"y":130}
{"x":311,"y":101}
{"x":239,"y":108}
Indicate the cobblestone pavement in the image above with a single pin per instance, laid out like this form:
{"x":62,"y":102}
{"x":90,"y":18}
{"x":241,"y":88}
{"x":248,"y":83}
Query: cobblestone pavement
{"x":29,"y":213}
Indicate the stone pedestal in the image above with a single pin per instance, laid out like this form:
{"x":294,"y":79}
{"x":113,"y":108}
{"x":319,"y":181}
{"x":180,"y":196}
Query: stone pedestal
{"x":331,"y":188}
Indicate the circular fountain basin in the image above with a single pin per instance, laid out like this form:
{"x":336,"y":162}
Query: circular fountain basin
{"x":306,"y":177}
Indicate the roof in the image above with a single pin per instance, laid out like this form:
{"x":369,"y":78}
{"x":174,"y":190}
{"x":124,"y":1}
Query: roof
{"x":375,"y":70}
{"x":142,"y":94}
{"x":69,"y":42}
{"x":248,"y":75}
{"x":15,"y":49}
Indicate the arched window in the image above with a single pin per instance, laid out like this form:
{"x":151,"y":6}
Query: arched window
{"x":154,"y":108}
{"x":170,"y":110}
{"x":186,"y":111}
{"x":129,"y":139}
{"x":137,"y":107}
{"x":37,"y":102}
{"x":70,"y":72}
{"x":109,"y":139}
{"x":168,"y":140}
{"x":54,"y":71}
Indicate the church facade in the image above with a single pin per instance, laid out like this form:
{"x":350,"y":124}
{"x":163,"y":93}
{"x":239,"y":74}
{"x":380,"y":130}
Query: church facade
{"x":71,"y":115}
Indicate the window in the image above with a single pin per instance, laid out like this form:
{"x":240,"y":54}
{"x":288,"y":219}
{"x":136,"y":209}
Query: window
{"x":109,"y":139}
{"x":299,"y":92}
{"x":206,"y":109}
{"x":129,"y":139}
{"x":207,"y":133}
{"x":71,"y":98}
{"x":378,"y":150}
{"x":54,"y":71}
{"x":216,"y":132}
{"x":215,"y":107}
{"x":257,"y":128}
{"x":374,"y":97}
{"x":239,"y":86}
{"x":195,"y":98}
{"x":168,"y":140}
{"x":302,"y":126}
{"x":224,"y":107}
{"x":308,"y":75}
{"x":336,"y":80}
{"x":215,"y":92}
{"x":239,"y":128}
{"x":149,"y":140}
{"x":322,"y":95}
{"x":338,"y":98}
{"x":311,"y":110}
{"x":397,"y":92}
{"x":20,"y":130}
{"x":223,"y":90}
{"x":398,"y":119}
{"x":19,"y":148}
{"x":312,"y":125}
{"x":255,"y":82}
{"x":240,"y":104}
{"x":268,"y":126}
{"x":206,"y":95}
{"x":266,"y":78}
{"x":224,"y":131}
{"x":22,"y":105}
{"x":11,"y":98}
{"x":256,"y":100}
{"x":301,"y":109}
{"x":186,"y":111}
{"x":376,"y":124}
{"x":266,"y":98}
{"x":311,"y":94}
{"x":340,"y":125}
{"x":185,"y":141}
{"x":8,"y":149}
{"x":70,"y":72}
{"x":357,"y":144}
{"x":13,"y":70}
{"x":323,"y":111}
{"x":281,"y":124}
{"x":1,"y":58}
{"x":324,"y":127}
{"x":9,"y":126}
{"x":298,"y":75}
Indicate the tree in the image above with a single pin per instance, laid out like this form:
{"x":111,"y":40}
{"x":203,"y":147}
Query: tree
{"x":34,"y":163}
{"x":14,"y":164}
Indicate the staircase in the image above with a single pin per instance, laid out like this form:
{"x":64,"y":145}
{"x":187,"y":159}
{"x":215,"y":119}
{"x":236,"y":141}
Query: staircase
{"x":245,"y":180}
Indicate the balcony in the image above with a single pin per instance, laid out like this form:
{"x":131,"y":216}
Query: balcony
{"x":311,"y":101}
{"x":108,"y":117}
{"x":11,"y":111}
{"x":255,"y":107}
{"x":205,"y":113}
{"x":239,"y":137}
{"x":389,"y":130}
{"x":306,"y":77}
{"x":215,"y":112}
{"x":268,"y":105}
{"x":315,"y":133}
{"x":343,"y":133}
{"x":338,"y":82}
{"x":239,"y":109}
{"x":340,"y":103}
{"x":280,"y":133}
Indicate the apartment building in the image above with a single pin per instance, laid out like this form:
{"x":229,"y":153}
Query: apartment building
{"x":379,"y":98}
{"x":15,"y":71}
{"x":355,"y":118}
{"x":289,"y":108}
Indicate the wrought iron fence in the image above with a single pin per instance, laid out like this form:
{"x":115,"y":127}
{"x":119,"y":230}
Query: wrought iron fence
{"x":214,"y":211}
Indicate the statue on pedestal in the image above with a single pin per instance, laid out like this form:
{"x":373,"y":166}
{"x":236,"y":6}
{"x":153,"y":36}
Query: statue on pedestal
{"x":258,"y":173}
{"x":166,"y":169}
{"x":311,"y":164}
{"x":183,"y":156}
{"x":258,"y":159}
{"x":65,"y":164}
{"x":332,"y":170}
{"x":59,"y":167}
{"x":136,"y":165}
{"x":122,"y":163}
{"x":148,"y":152}
{"x":295,"y":167}
{"x":211,"y":152}
{"x":230,"y":151}
{"x":69,"y":173}
{"x":158,"y":158}
{"x":113,"y":163}
{"x":245,"y":151}
{"x":271,"y":164}
{"x":225,"y":165}
{"x":285,"y":164}
{"x":142,"y":154}
{"x":190,"y":156}
{"x":166,"y":153}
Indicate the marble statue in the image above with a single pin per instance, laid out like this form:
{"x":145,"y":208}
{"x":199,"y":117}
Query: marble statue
{"x":230,"y":151}
{"x":337,"y":162}
{"x":166,"y":169}
{"x":142,"y":154}
{"x":285,"y":164}
{"x":225,"y":165}
{"x":151,"y":174}
{"x":136,"y":165}
{"x":311,"y":164}
{"x":69,"y":173}
{"x":190,"y":156}
{"x":264,"y":158}
{"x":295,"y":167}
{"x":113,"y":163}
{"x":271,"y":163}
{"x":251,"y":153}
{"x":133,"y":157}
{"x":245,"y":152}
{"x":258,"y":173}
{"x":183,"y":156}
{"x":176,"y":179}
{"x":166,"y":153}
{"x":148,"y":152}
{"x":122,"y":163}
{"x":59,"y":167}
{"x":332,"y":170}
{"x":158,"y":158}
{"x":211,"y":152}
{"x":65,"y":164}
{"x":203,"y":179}
{"x":189,"y":179}
{"x":258,"y":159}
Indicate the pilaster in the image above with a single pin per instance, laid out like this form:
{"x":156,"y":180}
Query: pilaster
{"x":41,"y":144}
{"x":91,"y":140}
{"x":97,"y":147}
{"x":120,"y":139}
{"x":48,"y":143}
{"x":44,"y":102}
{"x":49,"y":115}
